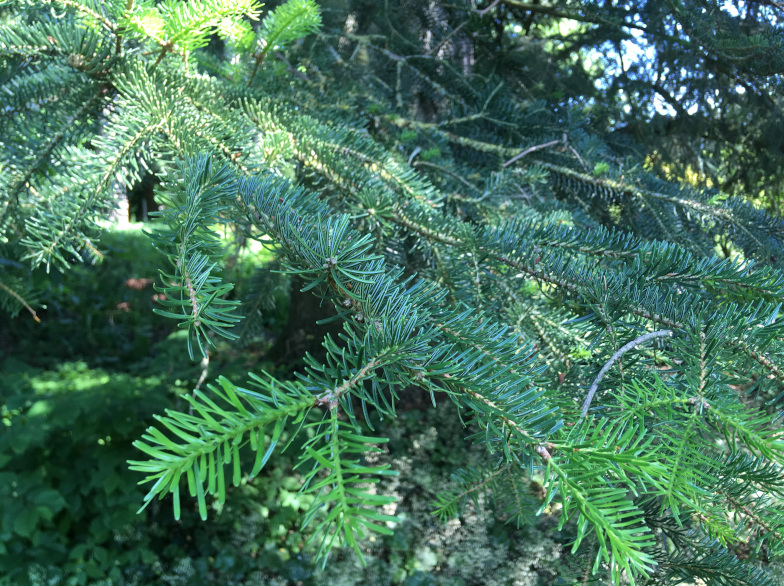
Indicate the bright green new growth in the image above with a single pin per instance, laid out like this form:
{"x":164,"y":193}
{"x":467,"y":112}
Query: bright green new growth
{"x":499,"y":287}
{"x":289,"y":22}
{"x":195,"y":287}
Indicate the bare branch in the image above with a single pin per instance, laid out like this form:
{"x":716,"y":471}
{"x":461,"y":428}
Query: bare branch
{"x":625,"y":348}
{"x":530,"y":150}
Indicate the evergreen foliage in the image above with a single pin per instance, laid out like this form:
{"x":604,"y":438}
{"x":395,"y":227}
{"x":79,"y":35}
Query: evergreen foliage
{"x":474,"y":245}
{"x":700,"y":81}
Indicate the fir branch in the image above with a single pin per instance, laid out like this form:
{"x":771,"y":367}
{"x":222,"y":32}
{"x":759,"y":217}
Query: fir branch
{"x":290,"y":21}
{"x":530,"y":150}
{"x":53,"y":142}
{"x":86,"y":10}
{"x":210,"y":438}
{"x":195,"y":291}
{"x":48,"y":252}
{"x":761,"y":358}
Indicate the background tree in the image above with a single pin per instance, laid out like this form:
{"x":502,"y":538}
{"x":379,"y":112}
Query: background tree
{"x":697,"y":84}
{"x":477,"y":238}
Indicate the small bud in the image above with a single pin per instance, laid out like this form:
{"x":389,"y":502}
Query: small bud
{"x":543,"y":453}
{"x":76,"y":61}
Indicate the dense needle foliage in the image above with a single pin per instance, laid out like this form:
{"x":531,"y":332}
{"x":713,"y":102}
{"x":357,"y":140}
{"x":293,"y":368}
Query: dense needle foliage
{"x":474,"y":242}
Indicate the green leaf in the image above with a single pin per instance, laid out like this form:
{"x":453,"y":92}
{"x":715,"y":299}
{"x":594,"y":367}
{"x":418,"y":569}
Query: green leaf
{"x":26,"y":521}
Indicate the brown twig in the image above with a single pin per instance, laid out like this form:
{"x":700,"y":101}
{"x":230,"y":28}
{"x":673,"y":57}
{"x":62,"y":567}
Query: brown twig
{"x":20,"y":299}
{"x":118,"y":41}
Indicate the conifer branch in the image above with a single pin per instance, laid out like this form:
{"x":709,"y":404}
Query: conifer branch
{"x":330,"y":398}
{"x":761,"y":358}
{"x":406,"y":261}
{"x":85,"y":205}
{"x":82,"y":9}
{"x":290,"y":21}
{"x":55,"y":140}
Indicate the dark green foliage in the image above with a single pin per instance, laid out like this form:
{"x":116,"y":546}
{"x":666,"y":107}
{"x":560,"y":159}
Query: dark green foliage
{"x":695,"y":84}
{"x":65,"y":490}
{"x":94,"y":311}
{"x":479,"y":241}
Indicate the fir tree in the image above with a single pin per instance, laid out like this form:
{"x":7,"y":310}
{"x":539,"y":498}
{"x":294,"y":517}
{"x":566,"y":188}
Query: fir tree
{"x":475,"y":244}
{"x":699,"y":81}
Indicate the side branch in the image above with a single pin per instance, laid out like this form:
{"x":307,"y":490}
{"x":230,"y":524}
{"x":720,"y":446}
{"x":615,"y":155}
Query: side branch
{"x":20,"y":299}
{"x":332,"y":396}
{"x":105,"y":22}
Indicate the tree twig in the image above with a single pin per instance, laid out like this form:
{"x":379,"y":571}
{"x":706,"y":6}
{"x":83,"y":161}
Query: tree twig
{"x":530,"y":150}
{"x":119,"y":39}
{"x":205,"y":370}
{"x":20,"y":299}
{"x":625,"y":348}
{"x":484,"y":11}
